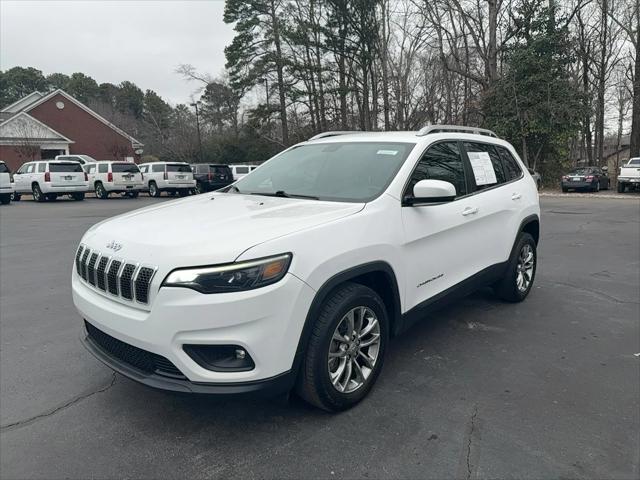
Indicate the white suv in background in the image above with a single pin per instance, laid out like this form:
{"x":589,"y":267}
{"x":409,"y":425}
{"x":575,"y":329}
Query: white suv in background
{"x":297,"y":275}
{"x":6,"y":184}
{"x":81,"y":159}
{"x":107,"y":177}
{"x":48,"y":179}
{"x":170,"y":177}
{"x":240,"y":171}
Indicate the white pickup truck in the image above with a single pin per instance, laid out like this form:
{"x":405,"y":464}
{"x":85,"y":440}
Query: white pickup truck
{"x":629,"y":177}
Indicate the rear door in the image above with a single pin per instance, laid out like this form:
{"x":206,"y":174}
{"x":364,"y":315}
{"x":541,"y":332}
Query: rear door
{"x":22,"y":178}
{"x":126,"y":174}
{"x":498,"y":199}
{"x":179,"y":173}
{"x":67,"y":174}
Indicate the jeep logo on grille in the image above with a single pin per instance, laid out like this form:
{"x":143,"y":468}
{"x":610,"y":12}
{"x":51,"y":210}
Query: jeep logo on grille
{"x":113,"y":245}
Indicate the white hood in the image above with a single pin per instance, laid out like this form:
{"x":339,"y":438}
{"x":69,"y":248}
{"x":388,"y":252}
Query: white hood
{"x":209,"y":228}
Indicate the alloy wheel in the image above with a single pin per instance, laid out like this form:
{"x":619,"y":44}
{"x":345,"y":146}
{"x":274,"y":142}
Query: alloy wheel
{"x":353,"y":350}
{"x":526,"y":261}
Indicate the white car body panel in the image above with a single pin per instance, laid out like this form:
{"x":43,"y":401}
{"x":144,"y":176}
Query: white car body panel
{"x":167,"y":180}
{"x":429,"y":249}
{"x":630,"y":172}
{"x":118,"y":182}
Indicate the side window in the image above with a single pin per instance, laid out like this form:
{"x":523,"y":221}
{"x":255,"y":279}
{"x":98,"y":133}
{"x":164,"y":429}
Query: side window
{"x":486,"y":164}
{"x":103,"y":168}
{"x":42,"y":167}
{"x":157,"y":168}
{"x":143,"y":169}
{"x":442,"y":161}
{"x":31,"y":167}
{"x":512,"y":169}
{"x":91,"y":168}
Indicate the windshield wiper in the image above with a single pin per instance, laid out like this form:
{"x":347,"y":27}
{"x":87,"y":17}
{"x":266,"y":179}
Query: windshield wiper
{"x":282,"y":193}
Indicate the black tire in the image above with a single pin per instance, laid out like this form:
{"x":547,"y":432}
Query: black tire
{"x":38,"y":196}
{"x":79,"y":196}
{"x":5,"y":198}
{"x":199,"y":188}
{"x":154,"y":191}
{"x":507,"y":288}
{"x":596,"y":187}
{"x":313,"y":382}
{"x":621,"y":187}
{"x":51,"y":197}
{"x":183,"y":192}
{"x":133,"y":194}
{"x":101,"y":192}
{"x":15,"y":197}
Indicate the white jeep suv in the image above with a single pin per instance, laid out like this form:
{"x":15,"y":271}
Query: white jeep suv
{"x":170,"y":177}
{"x":297,"y":275}
{"x":48,"y":179}
{"x":107,"y":177}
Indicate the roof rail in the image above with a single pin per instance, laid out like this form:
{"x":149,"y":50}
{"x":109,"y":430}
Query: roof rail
{"x":334,"y":133}
{"x":454,"y":128}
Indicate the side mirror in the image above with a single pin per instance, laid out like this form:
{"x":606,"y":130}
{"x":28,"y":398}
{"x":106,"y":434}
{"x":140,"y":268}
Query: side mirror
{"x":431,"y":191}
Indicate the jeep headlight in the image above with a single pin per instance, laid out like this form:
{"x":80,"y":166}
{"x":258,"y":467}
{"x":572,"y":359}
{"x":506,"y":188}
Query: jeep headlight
{"x":232,"y":277}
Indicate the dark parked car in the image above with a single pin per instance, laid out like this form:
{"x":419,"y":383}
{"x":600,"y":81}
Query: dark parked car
{"x":586,"y":178}
{"x":211,"y":176}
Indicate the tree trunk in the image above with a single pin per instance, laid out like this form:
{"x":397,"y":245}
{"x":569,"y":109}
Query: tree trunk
{"x":280,"y":73}
{"x":492,"y":46}
{"x":635,"y":113}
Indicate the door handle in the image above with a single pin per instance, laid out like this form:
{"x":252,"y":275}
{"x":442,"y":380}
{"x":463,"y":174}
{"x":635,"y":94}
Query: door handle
{"x":470,"y":211}
{"x":516,"y":196}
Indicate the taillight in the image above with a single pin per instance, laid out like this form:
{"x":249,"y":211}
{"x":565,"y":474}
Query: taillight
{"x":86,"y":177}
{"x":47,"y":177}
{"x":166,"y":175}
{"x":589,"y":178}
{"x":209,"y":176}
{"x":109,"y":177}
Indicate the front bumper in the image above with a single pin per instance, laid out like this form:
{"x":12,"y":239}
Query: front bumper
{"x":266,"y":322}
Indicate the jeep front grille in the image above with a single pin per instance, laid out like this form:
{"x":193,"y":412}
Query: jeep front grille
{"x":124,"y":279}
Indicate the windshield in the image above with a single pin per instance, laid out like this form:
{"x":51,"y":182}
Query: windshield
{"x":178,"y":167}
{"x":3,"y":168}
{"x":65,"y":167}
{"x":634,"y":161}
{"x":352,"y":172}
{"x":124,"y":168}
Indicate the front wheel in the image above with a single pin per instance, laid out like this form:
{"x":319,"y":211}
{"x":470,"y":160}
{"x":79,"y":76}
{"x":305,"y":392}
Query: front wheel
{"x":38,"y":196}
{"x":199,"y":188}
{"x":520,"y":273}
{"x":154,"y":191}
{"x":346,"y":349}
{"x":101,"y":192}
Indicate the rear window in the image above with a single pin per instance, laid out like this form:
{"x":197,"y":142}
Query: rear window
{"x":242,"y":170}
{"x":634,"y":161}
{"x":3,"y":168}
{"x":65,"y":167}
{"x":221,"y":170}
{"x":124,"y":168}
{"x":178,"y":167}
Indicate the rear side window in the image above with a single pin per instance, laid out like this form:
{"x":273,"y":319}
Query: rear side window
{"x":103,"y":168}
{"x":65,"y":167}
{"x":178,"y":167}
{"x":3,"y":168}
{"x":42,"y":167}
{"x":157,"y":168}
{"x":442,"y":161}
{"x":124,"y":168}
{"x":91,"y":168}
{"x":486,"y":165}
{"x":512,"y":169}
{"x":242,"y":170}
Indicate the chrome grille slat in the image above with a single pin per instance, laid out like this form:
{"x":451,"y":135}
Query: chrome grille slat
{"x":127,"y":280}
{"x":91,"y":268}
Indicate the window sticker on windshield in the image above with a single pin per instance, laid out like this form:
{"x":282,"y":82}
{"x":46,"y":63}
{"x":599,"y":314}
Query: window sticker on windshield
{"x":482,"y":168}
{"x":387,"y":152}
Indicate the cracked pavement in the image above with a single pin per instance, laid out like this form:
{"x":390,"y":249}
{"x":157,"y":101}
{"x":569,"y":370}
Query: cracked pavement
{"x":549,"y":388}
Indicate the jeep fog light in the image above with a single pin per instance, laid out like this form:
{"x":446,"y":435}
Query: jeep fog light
{"x":220,"y":358}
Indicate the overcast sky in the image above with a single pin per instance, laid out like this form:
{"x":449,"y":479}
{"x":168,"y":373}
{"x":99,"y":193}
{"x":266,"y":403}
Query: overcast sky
{"x":112,"y":41}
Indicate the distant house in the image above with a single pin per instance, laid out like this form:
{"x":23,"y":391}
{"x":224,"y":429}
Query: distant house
{"x":41,"y":126}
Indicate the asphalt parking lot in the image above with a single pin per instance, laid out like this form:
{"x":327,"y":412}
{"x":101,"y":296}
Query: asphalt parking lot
{"x":549,"y":388}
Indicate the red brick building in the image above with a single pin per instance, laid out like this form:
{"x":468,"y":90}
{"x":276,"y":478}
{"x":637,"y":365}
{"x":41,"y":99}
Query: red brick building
{"x":41,"y":126}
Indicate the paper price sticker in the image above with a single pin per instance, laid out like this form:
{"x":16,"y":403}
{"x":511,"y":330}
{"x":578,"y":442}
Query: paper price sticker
{"x":482,"y":168}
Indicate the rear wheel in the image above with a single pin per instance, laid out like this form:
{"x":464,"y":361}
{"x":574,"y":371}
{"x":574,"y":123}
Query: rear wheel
{"x":5,"y":198}
{"x":79,"y":196}
{"x":346,"y":349}
{"x":101,"y":192}
{"x":15,"y":196}
{"x":518,"y":278}
{"x":38,"y":196}
{"x":154,"y":191}
{"x":199,"y":188}
{"x":596,"y":187}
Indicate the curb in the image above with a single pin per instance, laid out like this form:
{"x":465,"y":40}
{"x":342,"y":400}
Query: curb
{"x":613,"y":196}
